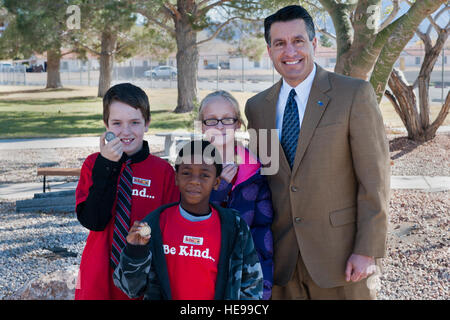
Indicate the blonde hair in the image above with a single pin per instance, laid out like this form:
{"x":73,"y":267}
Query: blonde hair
{"x":227,"y":97}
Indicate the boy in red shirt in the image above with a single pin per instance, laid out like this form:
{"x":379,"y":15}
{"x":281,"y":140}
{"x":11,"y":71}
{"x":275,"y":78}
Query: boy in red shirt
{"x":118,"y":185}
{"x":197,"y":251}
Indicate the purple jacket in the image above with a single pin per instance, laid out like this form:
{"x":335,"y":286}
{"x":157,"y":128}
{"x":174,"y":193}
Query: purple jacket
{"x":251,"y":196}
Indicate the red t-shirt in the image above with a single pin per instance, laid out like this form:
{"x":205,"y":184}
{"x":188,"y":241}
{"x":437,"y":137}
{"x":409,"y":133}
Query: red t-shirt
{"x":153,"y":186}
{"x":192,"y":251}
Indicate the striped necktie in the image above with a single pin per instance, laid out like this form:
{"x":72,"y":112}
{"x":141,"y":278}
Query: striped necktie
{"x":123,"y":213}
{"x":290,"y":129}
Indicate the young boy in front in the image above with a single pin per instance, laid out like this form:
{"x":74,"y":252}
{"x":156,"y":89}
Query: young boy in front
{"x":196,"y":251}
{"x":118,"y":185}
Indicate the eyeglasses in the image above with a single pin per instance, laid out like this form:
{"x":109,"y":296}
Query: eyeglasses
{"x":215,"y":122}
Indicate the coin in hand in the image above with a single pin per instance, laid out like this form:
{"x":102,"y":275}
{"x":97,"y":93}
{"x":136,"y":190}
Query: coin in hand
{"x":109,"y":136}
{"x":145,"y":230}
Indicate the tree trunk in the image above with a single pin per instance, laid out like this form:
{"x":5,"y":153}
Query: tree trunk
{"x":108,"y":46}
{"x":53,"y":75}
{"x":355,"y":38}
{"x":417,"y":123}
{"x":402,"y":32}
{"x":340,"y":15}
{"x":361,"y":49}
{"x":423,"y":80}
{"x":187,"y":62}
{"x":404,"y":101}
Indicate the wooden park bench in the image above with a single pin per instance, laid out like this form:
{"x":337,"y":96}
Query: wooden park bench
{"x":172,"y":140}
{"x":65,"y":172}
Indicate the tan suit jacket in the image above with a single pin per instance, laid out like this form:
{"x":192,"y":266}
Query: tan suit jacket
{"x":335,"y":200}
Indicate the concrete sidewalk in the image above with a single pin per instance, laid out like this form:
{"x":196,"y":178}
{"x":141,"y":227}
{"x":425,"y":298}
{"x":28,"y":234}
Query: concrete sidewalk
{"x":71,"y":142}
{"x":429,"y":184}
{"x":74,"y":142}
{"x":27,"y":190}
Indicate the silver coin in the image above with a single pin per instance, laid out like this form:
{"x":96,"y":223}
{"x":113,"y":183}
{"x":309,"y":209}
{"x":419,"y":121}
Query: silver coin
{"x":109,"y":136}
{"x":145,"y":231}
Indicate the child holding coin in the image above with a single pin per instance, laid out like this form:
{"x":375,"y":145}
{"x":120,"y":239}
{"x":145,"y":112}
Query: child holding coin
{"x":118,"y":185}
{"x":196,"y":250}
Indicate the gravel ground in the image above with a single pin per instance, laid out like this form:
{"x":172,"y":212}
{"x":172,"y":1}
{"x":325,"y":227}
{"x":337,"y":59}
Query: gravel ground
{"x":19,"y":166}
{"x":27,"y":242}
{"x":409,"y":158}
{"x":416,"y":265}
{"x":417,"y":260}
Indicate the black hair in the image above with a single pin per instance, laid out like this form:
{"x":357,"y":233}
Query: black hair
{"x":129,"y":94}
{"x":289,"y":13}
{"x":203,"y":149}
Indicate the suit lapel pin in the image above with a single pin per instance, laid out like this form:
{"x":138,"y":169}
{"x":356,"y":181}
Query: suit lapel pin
{"x":320,"y":103}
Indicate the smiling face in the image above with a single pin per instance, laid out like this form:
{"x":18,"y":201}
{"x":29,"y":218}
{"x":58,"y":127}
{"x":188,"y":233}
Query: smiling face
{"x":195,"y":182}
{"x":291,"y":51}
{"x":128,"y":124}
{"x":220,"y":134}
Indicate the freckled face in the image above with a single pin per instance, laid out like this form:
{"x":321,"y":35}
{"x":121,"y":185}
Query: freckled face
{"x":291,"y":51}
{"x":128,"y":124}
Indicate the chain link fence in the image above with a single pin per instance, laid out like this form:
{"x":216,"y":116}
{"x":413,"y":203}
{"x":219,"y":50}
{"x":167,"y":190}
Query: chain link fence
{"x":214,"y":72}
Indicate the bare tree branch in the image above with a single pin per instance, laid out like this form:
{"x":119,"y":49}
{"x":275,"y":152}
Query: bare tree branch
{"x":68,"y":52}
{"x":91,"y":50}
{"x":325,"y":32}
{"x":172,"y":10}
{"x":436,"y":17}
{"x":162,"y":25}
{"x":204,"y":10}
{"x":201,"y":3}
{"x":221,"y":27}
{"x":391,"y":16}
{"x":391,"y":97}
{"x":433,"y":22}
{"x":443,"y":113}
{"x":314,"y":5}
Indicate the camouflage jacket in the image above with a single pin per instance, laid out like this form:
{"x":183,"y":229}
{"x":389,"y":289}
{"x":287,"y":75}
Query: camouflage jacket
{"x":143,"y":271}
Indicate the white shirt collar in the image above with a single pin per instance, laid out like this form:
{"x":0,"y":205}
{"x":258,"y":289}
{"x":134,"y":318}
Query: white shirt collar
{"x":302,"y":94}
{"x":302,"y":89}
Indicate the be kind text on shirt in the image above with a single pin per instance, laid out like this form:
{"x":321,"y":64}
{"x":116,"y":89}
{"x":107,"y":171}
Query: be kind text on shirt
{"x":187,"y":251}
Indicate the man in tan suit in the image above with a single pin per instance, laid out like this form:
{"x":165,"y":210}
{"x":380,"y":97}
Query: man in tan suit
{"x":331,"y":192}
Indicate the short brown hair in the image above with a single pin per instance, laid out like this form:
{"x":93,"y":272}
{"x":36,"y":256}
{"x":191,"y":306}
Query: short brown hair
{"x":131,"y":95}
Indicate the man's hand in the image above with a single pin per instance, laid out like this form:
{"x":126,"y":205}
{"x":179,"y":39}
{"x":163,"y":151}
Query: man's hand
{"x":359,"y":267}
{"x":112,"y":150}
{"x":134,"y":236}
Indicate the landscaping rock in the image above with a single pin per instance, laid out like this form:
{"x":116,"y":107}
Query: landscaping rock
{"x":58,"y":285}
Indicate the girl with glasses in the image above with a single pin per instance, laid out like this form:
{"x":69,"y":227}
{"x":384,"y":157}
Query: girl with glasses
{"x":242,"y":186}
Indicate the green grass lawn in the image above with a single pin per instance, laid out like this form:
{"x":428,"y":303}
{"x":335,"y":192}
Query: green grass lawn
{"x":31,"y":112}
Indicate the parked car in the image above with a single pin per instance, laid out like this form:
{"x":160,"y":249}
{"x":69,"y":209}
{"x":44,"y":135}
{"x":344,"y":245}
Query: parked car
{"x":224,"y":65}
{"x":438,"y":84}
{"x":35,"y":68}
{"x":212,"y":66}
{"x":161,"y":72}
